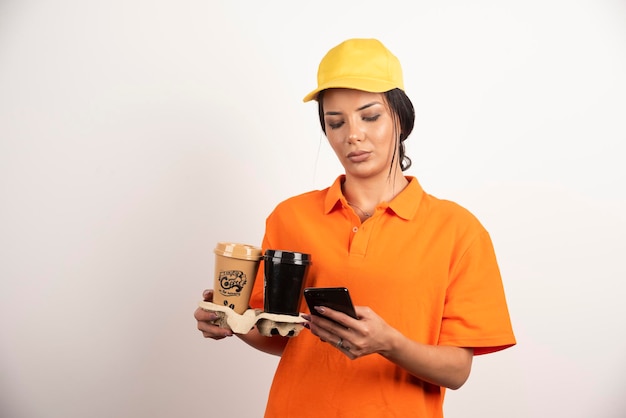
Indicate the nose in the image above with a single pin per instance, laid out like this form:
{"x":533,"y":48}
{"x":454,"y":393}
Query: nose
{"x":354,"y":133}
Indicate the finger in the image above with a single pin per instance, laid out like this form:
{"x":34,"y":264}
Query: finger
{"x":207,"y":295}
{"x":336,"y":337}
{"x":339,"y":317}
{"x":206,"y":316}
{"x":349,"y":354}
{"x":213,"y":331}
{"x":317,"y":328}
{"x":210,"y":335}
{"x":363,"y":312}
{"x":346,"y":348}
{"x":321,"y":325}
{"x":214,"y":336}
{"x":329,"y":331}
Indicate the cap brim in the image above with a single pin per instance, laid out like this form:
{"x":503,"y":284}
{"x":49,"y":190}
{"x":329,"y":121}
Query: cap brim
{"x":363,"y":84}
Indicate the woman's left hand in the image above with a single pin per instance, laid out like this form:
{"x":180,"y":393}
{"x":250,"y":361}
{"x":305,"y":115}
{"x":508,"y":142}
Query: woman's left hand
{"x":441,"y":365}
{"x":353,"y":337}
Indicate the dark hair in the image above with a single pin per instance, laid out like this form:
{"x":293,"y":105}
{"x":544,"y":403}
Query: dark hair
{"x":401,"y":108}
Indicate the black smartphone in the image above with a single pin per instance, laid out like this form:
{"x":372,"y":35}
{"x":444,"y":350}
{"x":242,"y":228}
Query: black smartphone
{"x":337,"y":298}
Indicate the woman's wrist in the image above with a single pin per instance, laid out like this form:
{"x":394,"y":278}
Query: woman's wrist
{"x":392,"y":344}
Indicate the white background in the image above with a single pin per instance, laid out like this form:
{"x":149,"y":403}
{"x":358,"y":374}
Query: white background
{"x":135,"y":134}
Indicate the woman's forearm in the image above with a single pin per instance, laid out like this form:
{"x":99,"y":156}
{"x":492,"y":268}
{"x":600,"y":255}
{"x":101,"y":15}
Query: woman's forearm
{"x":441,"y":365}
{"x":271,"y":345}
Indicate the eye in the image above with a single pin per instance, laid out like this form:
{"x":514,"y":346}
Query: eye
{"x":371,"y":118}
{"x":334,"y":125}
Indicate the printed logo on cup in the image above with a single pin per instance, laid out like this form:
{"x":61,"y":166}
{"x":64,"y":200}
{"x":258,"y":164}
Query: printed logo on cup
{"x":232,"y":282}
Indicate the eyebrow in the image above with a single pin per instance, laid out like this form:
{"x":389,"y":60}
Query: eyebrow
{"x":365,"y":106}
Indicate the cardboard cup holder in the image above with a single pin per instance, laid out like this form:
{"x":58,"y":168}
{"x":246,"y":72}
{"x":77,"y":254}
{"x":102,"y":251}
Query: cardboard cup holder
{"x":267,"y":323}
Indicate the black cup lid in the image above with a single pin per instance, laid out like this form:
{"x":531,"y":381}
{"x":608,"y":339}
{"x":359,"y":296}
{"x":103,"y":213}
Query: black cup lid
{"x":289,"y":257}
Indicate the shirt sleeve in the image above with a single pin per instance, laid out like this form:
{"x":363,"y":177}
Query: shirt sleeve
{"x":256,"y":298}
{"x":475,"y":311}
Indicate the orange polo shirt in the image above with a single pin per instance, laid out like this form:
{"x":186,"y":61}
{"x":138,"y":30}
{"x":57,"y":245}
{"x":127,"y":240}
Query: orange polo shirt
{"x":425,"y":265}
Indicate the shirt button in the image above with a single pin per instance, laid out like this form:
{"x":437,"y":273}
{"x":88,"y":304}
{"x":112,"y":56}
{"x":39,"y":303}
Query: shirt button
{"x":354,"y":229}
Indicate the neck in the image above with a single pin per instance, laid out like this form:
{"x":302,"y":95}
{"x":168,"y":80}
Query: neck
{"x":364,"y":194}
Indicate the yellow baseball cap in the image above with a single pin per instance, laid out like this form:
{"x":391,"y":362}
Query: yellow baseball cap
{"x":360,"y":64}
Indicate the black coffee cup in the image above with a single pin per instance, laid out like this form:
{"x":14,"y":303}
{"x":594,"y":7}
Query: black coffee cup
{"x":285,"y":273}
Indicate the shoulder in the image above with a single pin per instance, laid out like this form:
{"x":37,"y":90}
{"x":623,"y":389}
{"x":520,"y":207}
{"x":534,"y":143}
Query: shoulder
{"x":302,"y":200}
{"x":296,"y":206}
{"x":449,"y":209}
{"x":443,"y":217}
{"x":286,"y":224}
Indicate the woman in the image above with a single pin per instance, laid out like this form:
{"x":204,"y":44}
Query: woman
{"x":422,"y":271}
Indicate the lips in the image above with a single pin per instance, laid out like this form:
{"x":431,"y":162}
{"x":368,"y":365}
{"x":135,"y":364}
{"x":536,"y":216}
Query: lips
{"x":358,"y":156}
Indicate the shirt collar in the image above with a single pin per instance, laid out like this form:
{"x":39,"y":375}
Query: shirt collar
{"x":404,"y":205}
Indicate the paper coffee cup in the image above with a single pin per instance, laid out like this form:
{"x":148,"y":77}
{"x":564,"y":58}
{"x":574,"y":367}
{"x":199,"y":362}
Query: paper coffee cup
{"x":236,"y":267}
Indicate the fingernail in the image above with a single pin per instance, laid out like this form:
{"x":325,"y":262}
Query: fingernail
{"x":320,"y":309}
{"x":306,"y":325}
{"x":206,"y":293}
{"x":305,"y":316}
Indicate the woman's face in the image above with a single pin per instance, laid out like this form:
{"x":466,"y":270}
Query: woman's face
{"x":360,"y":129}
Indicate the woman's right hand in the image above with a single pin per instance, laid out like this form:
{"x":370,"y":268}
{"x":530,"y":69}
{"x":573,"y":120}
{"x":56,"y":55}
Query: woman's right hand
{"x":205,"y":319}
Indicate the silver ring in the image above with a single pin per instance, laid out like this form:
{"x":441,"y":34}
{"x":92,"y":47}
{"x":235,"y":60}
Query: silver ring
{"x":338,"y":345}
